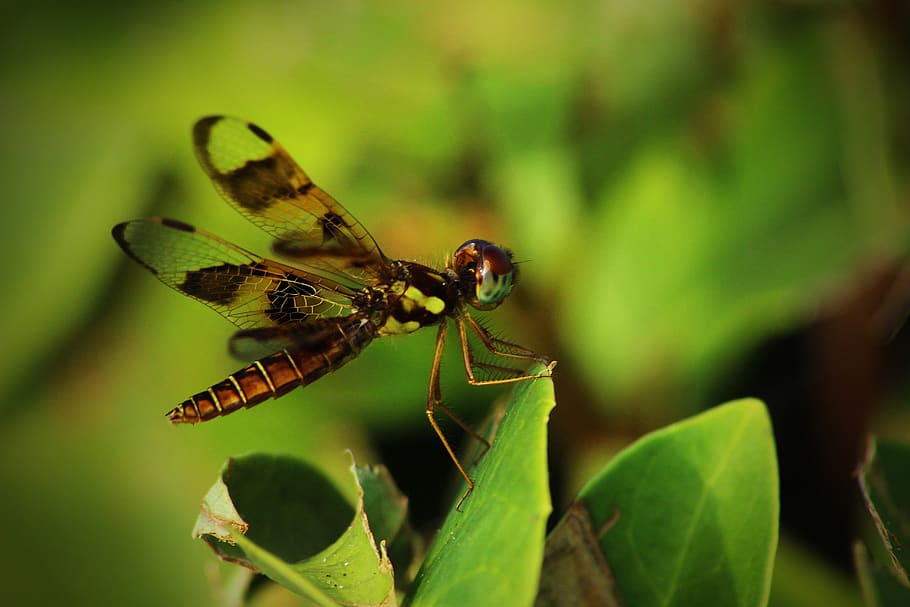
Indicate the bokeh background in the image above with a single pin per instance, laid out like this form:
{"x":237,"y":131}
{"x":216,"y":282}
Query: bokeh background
{"x":710,"y":200}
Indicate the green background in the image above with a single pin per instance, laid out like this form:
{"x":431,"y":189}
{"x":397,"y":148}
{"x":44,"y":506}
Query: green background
{"x":683,"y":181}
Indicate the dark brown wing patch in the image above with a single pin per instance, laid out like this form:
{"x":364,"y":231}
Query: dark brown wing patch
{"x":220,"y":284}
{"x":285,"y":298}
{"x":246,"y":289}
{"x":259,"y":179}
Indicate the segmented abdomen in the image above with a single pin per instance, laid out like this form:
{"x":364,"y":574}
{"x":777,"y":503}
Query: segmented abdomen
{"x":272,"y":376}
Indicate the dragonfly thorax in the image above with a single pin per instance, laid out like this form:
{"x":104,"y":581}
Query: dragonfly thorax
{"x":420,"y":298}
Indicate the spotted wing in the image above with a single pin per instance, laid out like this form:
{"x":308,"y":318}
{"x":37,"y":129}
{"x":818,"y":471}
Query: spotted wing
{"x":260,"y":179}
{"x":248,"y":290}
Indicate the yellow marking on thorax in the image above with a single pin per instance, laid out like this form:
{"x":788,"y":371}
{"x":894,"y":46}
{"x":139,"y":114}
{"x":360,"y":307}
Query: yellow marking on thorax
{"x":416,"y":297}
{"x":394,"y":327}
{"x":408,"y":299}
{"x":407,"y":304}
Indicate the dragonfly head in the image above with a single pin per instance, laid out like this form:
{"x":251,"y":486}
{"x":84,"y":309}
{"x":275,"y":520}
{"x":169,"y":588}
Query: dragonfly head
{"x":485,"y":272}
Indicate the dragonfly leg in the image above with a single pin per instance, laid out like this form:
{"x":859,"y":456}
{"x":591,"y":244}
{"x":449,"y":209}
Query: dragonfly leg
{"x":498,"y":347}
{"x":434,"y":401}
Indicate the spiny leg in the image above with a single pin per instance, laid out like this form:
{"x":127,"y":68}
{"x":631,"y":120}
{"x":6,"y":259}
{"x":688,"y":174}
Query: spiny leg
{"x":434,"y":399}
{"x":501,"y":347}
{"x":498,"y":347}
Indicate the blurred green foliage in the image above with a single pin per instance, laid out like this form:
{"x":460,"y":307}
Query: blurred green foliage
{"x":684,"y":180}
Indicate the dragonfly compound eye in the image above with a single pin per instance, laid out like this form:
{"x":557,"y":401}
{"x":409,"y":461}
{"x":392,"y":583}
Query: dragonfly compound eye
{"x":491,"y":270}
{"x":495,"y":274}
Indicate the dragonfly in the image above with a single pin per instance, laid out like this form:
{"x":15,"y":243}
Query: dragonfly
{"x":300,"y":320}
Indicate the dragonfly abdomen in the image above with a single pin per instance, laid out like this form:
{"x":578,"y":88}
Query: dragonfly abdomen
{"x":273,"y":376}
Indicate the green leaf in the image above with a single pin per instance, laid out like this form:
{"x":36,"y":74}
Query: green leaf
{"x":881,"y":588}
{"x":386,"y":509}
{"x":696,"y":511}
{"x":280,"y":516}
{"x":280,"y":503}
{"x":884,"y":487}
{"x":490,"y":554}
{"x":280,"y":571}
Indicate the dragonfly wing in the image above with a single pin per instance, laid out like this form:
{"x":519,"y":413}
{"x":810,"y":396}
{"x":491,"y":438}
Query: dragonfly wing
{"x":248,"y":290}
{"x":257,"y":177}
{"x":302,"y":337}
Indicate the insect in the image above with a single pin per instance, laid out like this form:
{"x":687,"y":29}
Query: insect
{"x":300,"y":322}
